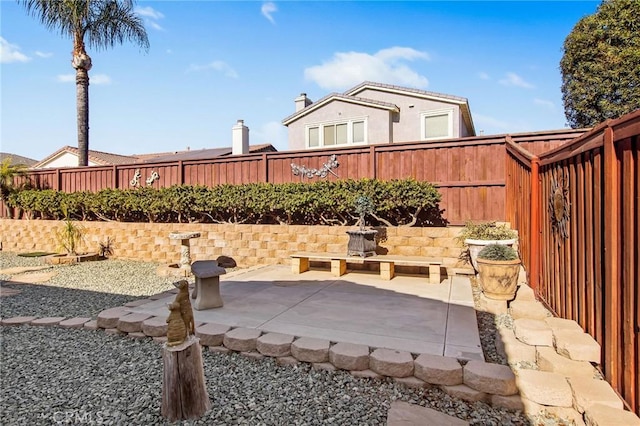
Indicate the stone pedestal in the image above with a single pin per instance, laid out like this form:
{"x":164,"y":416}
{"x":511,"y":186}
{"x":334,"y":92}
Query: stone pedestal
{"x":207,"y":290}
{"x":185,"y":248}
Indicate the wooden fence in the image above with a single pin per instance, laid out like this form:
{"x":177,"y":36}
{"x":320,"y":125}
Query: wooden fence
{"x":580,"y":231}
{"x":469,"y":172}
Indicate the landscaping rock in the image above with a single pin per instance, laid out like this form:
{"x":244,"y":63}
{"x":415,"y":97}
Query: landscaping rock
{"x":411,"y":382}
{"x":528,"y":309}
{"x":577,"y":345}
{"x":544,"y":388}
{"x":308,"y":349}
{"x":349,"y":356}
{"x":109,"y":317}
{"x":91,"y":325}
{"x":392,"y":363}
{"x":465,"y":392}
{"x":556,"y":323}
{"x":548,"y":360}
{"x":604,"y":415}
{"x":47,"y":322}
{"x":17,"y":320}
{"x":274,"y":344}
{"x":326,"y":366}
{"x":490,"y":378}
{"x":510,"y":402}
{"x":241,"y":339}
{"x":132,"y":323}
{"x":438,"y":370}
{"x":287,"y":360}
{"x":77,"y":322}
{"x":156,"y":327}
{"x":212,"y":334}
{"x":404,"y":414}
{"x":513,"y":349}
{"x":587,"y":391}
{"x":533,"y":332}
{"x":366,"y":374}
{"x":524,"y":293}
{"x":219,"y":349}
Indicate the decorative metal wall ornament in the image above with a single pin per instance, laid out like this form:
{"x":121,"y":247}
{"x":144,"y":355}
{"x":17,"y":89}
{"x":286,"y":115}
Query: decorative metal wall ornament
{"x":322,"y":172}
{"x":135,"y":182}
{"x":136,"y":178}
{"x":152,"y":178}
{"x":559,"y":205}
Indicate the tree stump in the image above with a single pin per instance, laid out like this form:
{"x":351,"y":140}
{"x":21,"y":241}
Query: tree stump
{"x":184,"y":392}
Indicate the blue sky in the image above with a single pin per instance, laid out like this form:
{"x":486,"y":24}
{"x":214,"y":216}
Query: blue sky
{"x":212,"y":63}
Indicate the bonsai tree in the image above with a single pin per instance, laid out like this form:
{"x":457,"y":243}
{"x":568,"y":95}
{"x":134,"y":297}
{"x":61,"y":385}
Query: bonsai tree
{"x":363,"y":207}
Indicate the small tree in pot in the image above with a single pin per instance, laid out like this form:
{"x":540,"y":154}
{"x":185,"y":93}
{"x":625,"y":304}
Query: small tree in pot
{"x":498,"y":268}
{"x":362,"y":242}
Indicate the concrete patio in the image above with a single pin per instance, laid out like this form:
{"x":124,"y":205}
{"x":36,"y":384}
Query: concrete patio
{"x":407,"y":313}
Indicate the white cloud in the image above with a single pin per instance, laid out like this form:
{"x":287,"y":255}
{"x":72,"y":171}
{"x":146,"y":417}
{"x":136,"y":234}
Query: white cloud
{"x":267,"y":10}
{"x":547,"y":104}
{"x":346,"y":69}
{"x":148,"y":12}
{"x":483,"y":76}
{"x":151,"y":15}
{"x":11,"y":53}
{"x":489,"y":124}
{"x":98,"y":79}
{"x":66,"y":78}
{"x":43,"y":54}
{"x":272,"y":132}
{"x":513,"y":79}
{"x":219,"y":66}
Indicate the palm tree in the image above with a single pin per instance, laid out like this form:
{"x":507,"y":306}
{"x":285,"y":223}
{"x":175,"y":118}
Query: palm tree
{"x":104,"y":23}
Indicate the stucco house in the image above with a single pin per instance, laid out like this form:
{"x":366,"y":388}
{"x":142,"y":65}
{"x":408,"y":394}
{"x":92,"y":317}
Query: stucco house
{"x":376,"y":113}
{"x":67,"y":156}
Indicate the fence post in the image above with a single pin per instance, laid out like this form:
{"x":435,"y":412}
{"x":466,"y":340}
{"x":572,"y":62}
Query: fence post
{"x":611,"y":303}
{"x":372,"y":162}
{"x":265,"y":167}
{"x":180,"y":173}
{"x":534,"y":232}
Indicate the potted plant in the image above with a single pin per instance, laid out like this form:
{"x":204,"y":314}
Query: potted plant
{"x":362,"y":242}
{"x":498,"y":269}
{"x":475,"y":236}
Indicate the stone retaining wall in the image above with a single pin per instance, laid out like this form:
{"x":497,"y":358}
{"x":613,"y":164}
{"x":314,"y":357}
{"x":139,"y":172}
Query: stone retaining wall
{"x":249,"y":245}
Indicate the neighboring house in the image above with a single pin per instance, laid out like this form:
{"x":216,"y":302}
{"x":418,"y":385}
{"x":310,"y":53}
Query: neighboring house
{"x":375,"y":113}
{"x":17,"y":160}
{"x":67,"y":156}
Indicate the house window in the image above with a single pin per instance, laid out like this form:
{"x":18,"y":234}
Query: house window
{"x":437,"y":124}
{"x":332,"y":134}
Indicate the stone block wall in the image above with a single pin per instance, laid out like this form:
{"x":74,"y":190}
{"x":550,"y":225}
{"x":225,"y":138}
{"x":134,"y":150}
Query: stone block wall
{"x":249,"y":245}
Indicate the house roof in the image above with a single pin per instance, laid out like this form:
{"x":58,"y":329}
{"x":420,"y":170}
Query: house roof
{"x":340,"y":97}
{"x":17,"y":159}
{"x":97,"y":157}
{"x":350,"y":96}
{"x":199,"y":154}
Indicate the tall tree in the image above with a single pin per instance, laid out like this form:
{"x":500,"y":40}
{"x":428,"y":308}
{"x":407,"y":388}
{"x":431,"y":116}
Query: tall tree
{"x":601,"y":64}
{"x":103,"y":23}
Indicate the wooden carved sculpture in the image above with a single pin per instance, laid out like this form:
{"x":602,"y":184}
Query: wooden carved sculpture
{"x":176,"y":330}
{"x":182,"y":298}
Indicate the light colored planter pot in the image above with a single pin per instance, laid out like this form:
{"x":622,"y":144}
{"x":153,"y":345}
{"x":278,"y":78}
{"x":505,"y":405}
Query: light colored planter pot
{"x":499,"y":278}
{"x":362,"y":243}
{"x":476,"y":245}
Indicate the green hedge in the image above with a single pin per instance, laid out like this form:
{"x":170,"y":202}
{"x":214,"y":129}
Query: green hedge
{"x":396,"y":202}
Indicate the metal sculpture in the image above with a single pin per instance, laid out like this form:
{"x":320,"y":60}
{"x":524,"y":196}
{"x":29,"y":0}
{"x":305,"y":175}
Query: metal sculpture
{"x":322,"y":172}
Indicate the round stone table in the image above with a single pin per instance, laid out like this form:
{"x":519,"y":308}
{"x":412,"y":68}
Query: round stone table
{"x":185,"y":248}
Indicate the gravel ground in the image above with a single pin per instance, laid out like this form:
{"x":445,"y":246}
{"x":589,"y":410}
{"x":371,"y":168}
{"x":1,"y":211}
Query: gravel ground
{"x":51,"y":375}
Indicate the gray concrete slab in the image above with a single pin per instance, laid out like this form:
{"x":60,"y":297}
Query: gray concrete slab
{"x":406,"y":313}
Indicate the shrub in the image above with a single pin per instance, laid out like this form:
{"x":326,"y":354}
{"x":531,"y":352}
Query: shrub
{"x":486,"y":231}
{"x":497,"y":252}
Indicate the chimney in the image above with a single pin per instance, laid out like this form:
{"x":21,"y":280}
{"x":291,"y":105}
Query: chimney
{"x":302,"y":101}
{"x":240,"y":139}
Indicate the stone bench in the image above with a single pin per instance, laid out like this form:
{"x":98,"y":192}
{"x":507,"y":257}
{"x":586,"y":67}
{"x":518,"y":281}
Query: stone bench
{"x":300,"y":263}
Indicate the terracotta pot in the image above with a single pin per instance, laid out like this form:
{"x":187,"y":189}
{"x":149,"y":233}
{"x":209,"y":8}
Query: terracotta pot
{"x":499,"y":278}
{"x":476,"y":245}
